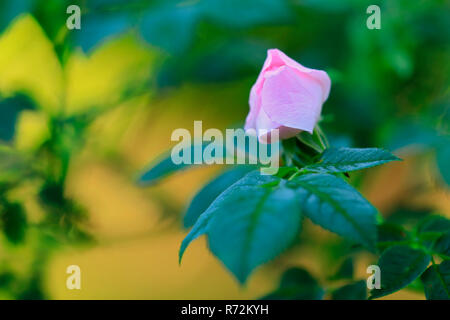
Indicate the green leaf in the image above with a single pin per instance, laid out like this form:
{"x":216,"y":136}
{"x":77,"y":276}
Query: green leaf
{"x":9,"y":10}
{"x":442,"y":159}
{"x":388,"y":233}
{"x":431,"y":228}
{"x":416,"y":286}
{"x":311,"y":141}
{"x":434,"y":224}
{"x":296,"y":284}
{"x":295,"y":154}
{"x":9,"y":113}
{"x":237,"y":13}
{"x":345,"y":270}
{"x":442,"y":246}
{"x":285,"y":172}
{"x":250,"y":223}
{"x":352,"y":291}
{"x":333,"y":204}
{"x":6,"y":278}
{"x":159,"y":170}
{"x":436,"y":281}
{"x":12,"y":165}
{"x":97,"y":27}
{"x":400,"y":265}
{"x":211,"y":191}
{"x":170,"y":26}
{"x":351,"y":159}
{"x":14,"y":222}
{"x":164,"y":167}
{"x":199,"y":228}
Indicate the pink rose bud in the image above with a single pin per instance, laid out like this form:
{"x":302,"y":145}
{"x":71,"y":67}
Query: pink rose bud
{"x":286,"y":96}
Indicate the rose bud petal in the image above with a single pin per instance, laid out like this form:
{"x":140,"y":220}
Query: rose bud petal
{"x":286,"y":96}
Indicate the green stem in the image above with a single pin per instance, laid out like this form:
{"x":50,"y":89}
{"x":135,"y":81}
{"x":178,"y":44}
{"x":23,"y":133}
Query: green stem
{"x":299,"y":172}
{"x":322,"y":137}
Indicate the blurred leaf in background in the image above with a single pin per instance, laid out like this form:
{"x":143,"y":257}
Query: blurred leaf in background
{"x":10,"y":109}
{"x":81,"y":111}
{"x":28,"y":64}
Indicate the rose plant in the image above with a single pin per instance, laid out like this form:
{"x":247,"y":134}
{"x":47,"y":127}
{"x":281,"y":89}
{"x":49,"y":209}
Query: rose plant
{"x":250,"y":218}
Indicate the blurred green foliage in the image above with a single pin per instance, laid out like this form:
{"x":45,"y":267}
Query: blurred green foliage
{"x":390,"y":86}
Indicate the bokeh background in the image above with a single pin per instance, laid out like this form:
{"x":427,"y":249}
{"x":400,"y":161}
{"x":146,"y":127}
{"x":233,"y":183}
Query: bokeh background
{"x":83,"y":112}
